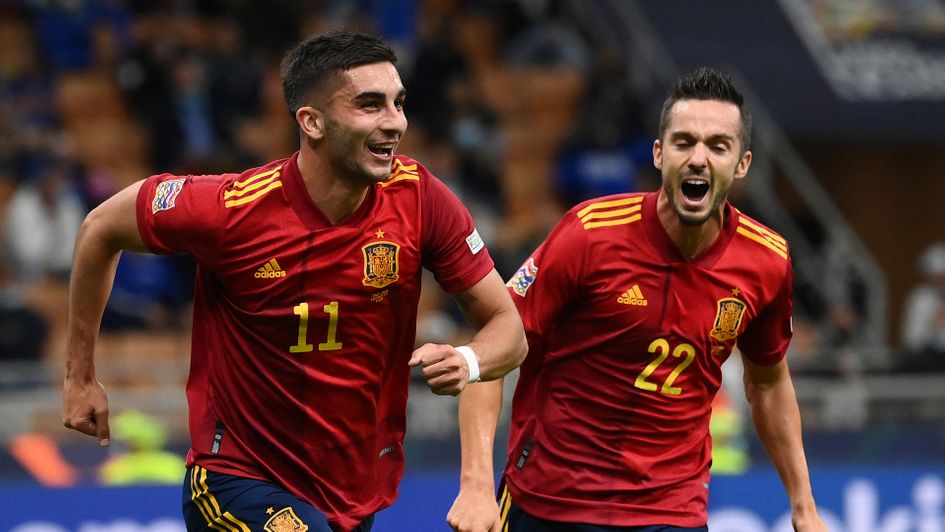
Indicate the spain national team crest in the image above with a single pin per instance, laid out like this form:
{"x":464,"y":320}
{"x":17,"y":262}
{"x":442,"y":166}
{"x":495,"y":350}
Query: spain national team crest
{"x":165,"y":194}
{"x":380,"y":264}
{"x":285,"y":520}
{"x":728,"y":318}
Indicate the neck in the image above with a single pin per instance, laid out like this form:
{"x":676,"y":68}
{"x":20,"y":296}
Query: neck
{"x":336,"y":197}
{"x":690,"y":240}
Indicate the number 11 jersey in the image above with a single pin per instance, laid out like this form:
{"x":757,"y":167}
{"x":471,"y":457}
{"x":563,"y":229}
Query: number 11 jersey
{"x":302,"y":330}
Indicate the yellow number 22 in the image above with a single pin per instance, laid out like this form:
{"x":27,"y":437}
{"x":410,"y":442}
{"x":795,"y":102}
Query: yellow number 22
{"x":661,"y":346}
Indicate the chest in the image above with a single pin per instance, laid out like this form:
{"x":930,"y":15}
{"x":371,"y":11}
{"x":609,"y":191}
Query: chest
{"x":647,"y":299}
{"x":277,"y":260}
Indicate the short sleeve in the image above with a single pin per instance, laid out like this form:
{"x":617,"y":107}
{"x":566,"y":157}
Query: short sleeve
{"x":549,"y":281}
{"x":178,"y":214}
{"x":451,"y":247}
{"x":766,"y":339}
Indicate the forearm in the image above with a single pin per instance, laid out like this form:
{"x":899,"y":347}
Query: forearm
{"x":500,"y":345}
{"x":479,"y":407}
{"x":777,"y":419}
{"x":107,"y":230}
{"x":93,"y":272}
{"x":499,"y":342}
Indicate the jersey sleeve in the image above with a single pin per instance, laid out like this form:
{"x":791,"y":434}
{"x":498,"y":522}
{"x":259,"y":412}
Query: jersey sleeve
{"x":179,"y":214}
{"x":766,"y":339}
{"x":549,"y":282}
{"x":451,"y":247}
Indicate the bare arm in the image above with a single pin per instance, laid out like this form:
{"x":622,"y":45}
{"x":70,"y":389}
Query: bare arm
{"x":499,"y":344}
{"x":777,"y":419}
{"x":475,"y":508}
{"x":106,"y":231}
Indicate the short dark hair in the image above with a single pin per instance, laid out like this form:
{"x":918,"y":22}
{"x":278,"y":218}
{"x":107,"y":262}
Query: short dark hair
{"x":707,"y":84}
{"x":308,"y":67}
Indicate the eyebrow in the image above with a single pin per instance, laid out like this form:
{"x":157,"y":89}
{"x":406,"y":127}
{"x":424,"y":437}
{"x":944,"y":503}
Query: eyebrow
{"x":711,"y":138}
{"x":377,"y":95}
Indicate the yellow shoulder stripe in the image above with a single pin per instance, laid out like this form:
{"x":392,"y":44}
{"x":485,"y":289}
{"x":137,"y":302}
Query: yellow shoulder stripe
{"x":401,"y":166}
{"x":618,"y":221}
{"x":770,"y":235}
{"x":609,"y":204}
{"x":593,"y":215}
{"x":241,"y":184}
{"x":258,"y":194}
{"x":401,"y":175}
{"x":255,"y":184}
{"x":763,"y":241}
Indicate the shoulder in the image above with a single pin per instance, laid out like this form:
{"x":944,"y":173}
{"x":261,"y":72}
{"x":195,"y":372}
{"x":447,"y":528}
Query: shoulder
{"x":606,"y":214}
{"x":758,"y":239}
{"x":249,"y":186}
{"x":406,"y":172}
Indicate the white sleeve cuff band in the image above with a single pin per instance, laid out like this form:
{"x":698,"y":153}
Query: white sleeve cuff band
{"x":471,"y":361}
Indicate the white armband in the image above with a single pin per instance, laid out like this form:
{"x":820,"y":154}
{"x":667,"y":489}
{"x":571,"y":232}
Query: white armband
{"x":471,"y":361}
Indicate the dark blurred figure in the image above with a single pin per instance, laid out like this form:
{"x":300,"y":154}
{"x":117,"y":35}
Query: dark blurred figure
{"x":23,"y":331}
{"x":607,"y":150}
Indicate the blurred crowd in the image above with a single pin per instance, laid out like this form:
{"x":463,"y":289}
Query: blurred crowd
{"x":97,"y":94}
{"x":508,"y":103}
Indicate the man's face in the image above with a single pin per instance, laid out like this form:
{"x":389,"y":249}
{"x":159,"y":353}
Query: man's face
{"x":699,"y":156}
{"x":364,"y":122}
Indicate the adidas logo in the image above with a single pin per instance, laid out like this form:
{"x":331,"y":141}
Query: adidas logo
{"x":270,"y":270}
{"x":633,"y":297}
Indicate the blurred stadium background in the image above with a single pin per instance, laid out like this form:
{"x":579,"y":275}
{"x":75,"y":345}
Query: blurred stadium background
{"x":524,"y":108}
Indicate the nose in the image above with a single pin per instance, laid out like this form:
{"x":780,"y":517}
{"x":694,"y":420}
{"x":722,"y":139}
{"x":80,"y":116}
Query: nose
{"x":395,"y":121}
{"x":699,"y":157}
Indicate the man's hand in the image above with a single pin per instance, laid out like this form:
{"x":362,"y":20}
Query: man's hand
{"x":443,"y":366}
{"x":474,"y":510}
{"x":85,"y":409}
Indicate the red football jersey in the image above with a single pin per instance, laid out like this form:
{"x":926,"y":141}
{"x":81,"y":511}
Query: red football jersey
{"x":302,"y":330}
{"x":610,"y":416}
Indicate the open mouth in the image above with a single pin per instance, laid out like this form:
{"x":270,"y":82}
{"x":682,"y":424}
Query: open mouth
{"x":385,"y":150}
{"x":694,"y":189}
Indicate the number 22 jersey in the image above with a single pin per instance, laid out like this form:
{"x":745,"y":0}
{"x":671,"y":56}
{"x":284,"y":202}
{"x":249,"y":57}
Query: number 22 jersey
{"x":626,"y":341}
{"x":302,"y":330}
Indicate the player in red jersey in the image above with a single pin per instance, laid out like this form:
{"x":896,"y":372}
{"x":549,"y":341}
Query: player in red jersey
{"x":630,"y":307}
{"x":307,"y":284}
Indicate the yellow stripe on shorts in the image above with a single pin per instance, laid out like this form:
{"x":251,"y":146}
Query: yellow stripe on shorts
{"x":209,"y":507}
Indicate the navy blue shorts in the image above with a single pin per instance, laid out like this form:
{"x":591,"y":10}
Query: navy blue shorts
{"x":226,"y":503}
{"x":514,"y":519}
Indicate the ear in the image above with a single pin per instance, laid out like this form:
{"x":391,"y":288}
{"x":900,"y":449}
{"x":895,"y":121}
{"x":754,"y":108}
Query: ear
{"x":657,"y":154}
{"x":311,"y":122}
{"x":742,"y":168}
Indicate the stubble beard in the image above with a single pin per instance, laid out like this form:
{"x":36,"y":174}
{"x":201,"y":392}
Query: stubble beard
{"x":349,"y":155}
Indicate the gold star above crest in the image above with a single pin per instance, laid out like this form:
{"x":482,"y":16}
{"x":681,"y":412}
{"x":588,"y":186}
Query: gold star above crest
{"x":270,"y":511}
{"x":379,"y":234}
{"x":736,"y":291}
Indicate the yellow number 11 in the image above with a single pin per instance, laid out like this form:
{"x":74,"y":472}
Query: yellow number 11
{"x":301,"y":310}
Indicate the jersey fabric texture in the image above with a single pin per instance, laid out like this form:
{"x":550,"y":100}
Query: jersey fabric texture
{"x":302,"y":330}
{"x":626,"y":341}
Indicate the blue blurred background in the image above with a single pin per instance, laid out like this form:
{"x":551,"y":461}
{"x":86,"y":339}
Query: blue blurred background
{"x":523,"y":107}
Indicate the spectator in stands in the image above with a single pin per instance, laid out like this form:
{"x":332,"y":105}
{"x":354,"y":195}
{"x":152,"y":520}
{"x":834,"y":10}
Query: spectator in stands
{"x":41,"y":223}
{"x":23,"y":331}
{"x":923,"y":323}
{"x":144,"y":461}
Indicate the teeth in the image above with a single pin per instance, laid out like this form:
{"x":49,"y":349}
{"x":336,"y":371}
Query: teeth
{"x":696,"y":181}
